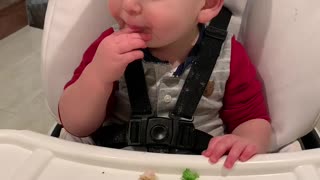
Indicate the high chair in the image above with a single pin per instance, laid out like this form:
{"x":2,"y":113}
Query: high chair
{"x":281,"y":39}
{"x":272,"y":36}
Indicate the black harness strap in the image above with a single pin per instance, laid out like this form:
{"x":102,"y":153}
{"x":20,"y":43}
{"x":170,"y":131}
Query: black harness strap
{"x":137,"y":89}
{"x":112,"y":136}
{"x":202,"y":67}
{"x":222,"y":21}
{"x":187,"y":137}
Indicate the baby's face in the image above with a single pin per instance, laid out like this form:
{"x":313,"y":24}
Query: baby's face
{"x":165,"y":20}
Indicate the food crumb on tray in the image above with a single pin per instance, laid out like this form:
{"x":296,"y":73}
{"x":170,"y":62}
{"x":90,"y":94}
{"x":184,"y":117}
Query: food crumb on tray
{"x":189,"y":175}
{"x":186,"y":175}
{"x":148,"y":175}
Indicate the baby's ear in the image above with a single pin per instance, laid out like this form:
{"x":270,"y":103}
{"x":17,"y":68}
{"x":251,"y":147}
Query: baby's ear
{"x":210,"y":10}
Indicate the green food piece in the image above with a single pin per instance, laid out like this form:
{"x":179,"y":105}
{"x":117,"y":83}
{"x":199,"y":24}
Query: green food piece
{"x":189,"y":175}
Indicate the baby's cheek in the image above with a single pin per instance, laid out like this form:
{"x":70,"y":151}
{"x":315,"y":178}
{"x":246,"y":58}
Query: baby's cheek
{"x":114,"y":8}
{"x":164,"y":29}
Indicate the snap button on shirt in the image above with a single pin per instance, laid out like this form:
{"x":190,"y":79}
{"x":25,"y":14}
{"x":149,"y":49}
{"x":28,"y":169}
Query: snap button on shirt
{"x":167,"y":98}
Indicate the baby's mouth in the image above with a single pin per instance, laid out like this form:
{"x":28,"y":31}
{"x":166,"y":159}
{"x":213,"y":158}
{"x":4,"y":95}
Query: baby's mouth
{"x":136,"y":29}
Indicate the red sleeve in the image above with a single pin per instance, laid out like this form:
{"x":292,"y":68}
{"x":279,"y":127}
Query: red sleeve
{"x":87,"y":59}
{"x":244,"y":97}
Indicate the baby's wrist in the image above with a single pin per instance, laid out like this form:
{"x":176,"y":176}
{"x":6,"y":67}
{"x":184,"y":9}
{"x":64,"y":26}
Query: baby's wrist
{"x":261,"y":146}
{"x":92,"y":77}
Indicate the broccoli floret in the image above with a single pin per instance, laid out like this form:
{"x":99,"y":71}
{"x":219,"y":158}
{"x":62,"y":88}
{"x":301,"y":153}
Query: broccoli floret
{"x":189,"y":175}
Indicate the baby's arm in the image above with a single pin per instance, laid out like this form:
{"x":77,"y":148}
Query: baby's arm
{"x":244,"y":114}
{"x":258,"y":133}
{"x":82,"y":105}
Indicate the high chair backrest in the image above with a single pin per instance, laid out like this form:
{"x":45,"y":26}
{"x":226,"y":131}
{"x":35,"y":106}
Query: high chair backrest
{"x":280,"y":37}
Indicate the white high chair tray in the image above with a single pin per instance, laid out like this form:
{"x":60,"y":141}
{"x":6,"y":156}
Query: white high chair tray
{"x":26,"y":155}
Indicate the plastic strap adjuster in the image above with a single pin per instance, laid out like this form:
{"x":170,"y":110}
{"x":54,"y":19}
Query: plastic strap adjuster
{"x":216,"y":33}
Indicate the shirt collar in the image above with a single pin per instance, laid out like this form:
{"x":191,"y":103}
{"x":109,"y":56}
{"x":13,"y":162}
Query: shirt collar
{"x":148,"y":57}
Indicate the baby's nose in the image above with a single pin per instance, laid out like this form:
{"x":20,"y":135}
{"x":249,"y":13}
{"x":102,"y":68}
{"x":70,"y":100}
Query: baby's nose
{"x":132,"y":7}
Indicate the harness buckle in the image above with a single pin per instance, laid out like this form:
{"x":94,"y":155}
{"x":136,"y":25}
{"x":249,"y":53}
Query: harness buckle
{"x":184,"y":136}
{"x":161,"y":133}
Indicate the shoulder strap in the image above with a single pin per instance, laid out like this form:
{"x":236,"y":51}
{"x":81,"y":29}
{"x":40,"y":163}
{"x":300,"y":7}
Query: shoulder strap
{"x":201,"y":69}
{"x":137,"y":89}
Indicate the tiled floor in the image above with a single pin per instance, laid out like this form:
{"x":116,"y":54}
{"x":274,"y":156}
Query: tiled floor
{"x":22,"y":104}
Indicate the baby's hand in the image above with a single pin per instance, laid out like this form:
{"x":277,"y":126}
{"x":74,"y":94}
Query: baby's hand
{"x":237,"y":148}
{"x":116,"y":51}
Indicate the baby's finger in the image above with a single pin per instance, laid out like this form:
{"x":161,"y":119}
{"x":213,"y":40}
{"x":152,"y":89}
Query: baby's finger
{"x":129,"y":36}
{"x":123,"y":31}
{"x":127,"y":46}
{"x":234,"y":154}
{"x":144,"y":36}
{"x":221,"y":148}
{"x":248,"y":152}
{"x":211,"y":146}
{"x":132,"y":56}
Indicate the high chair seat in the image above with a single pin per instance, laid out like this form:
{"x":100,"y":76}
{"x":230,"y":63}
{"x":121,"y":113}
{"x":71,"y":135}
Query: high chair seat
{"x":280,"y":37}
